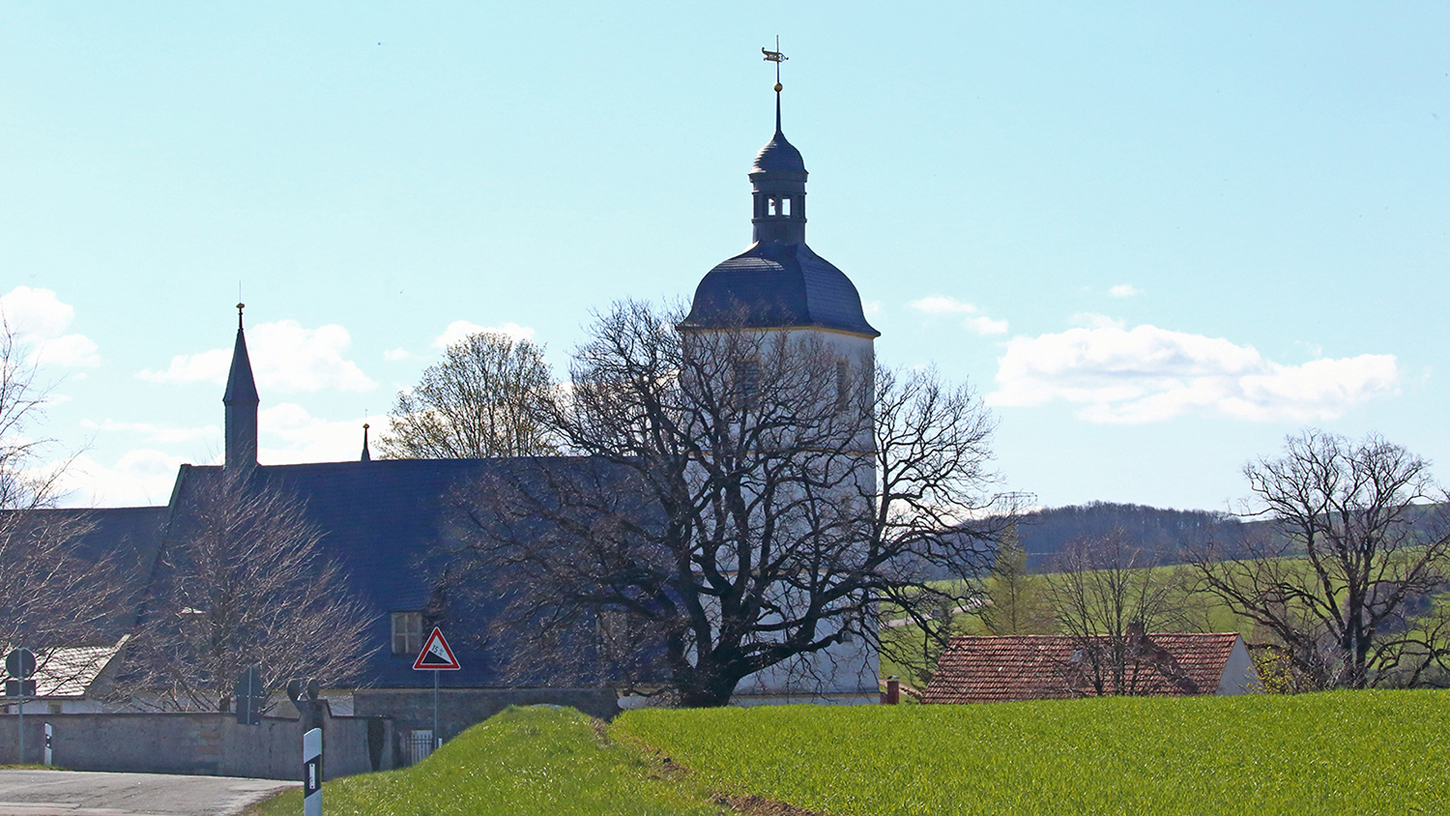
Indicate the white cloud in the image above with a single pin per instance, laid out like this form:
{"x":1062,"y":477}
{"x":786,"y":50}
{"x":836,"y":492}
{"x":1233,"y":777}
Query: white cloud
{"x":164,"y":434}
{"x":393,"y":355}
{"x":986,"y":325}
{"x":1092,"y":320}
{"x":139,"y":477}
{"x":39,"y":319}
{"x":944,"y":305}
{"x":290,"y":435}
{"x":459,"y":329}
{"x":1124,"y":290}
{"x":1148,"y":374}
{"x":286,"y":357}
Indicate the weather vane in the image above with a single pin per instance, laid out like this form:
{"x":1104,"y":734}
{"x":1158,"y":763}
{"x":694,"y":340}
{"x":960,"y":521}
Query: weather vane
{"x":776,"y":57}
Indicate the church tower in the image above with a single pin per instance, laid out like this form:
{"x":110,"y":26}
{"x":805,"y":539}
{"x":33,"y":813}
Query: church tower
{"x":782,"y":293}
{"x":241,"y":403}
{"x":779,"y":282}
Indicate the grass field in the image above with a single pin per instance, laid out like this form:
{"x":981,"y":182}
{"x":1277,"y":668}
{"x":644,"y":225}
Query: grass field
{"x":523,"y":761}
{"x":1362,"y":753}
{"x":1338,"y":753}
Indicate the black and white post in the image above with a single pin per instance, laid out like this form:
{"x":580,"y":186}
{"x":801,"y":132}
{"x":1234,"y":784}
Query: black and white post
{"x":48,"y":735}
{"x":312,"y":773}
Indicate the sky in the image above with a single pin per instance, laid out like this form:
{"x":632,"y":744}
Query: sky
{"x":1155,"y":238}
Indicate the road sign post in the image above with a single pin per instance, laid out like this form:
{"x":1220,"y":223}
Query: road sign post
{"x":48,"y":735}
{"x":20,"y":664}
{"x":250,"y":697}
{"x":312,"y":773}
{"x":436,"y":656}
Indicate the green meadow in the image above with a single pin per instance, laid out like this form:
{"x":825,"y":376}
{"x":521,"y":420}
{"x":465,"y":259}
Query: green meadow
{"x":1363,"y":753}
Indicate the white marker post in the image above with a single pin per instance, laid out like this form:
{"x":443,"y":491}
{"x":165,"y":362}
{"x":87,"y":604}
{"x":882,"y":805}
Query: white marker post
{"x":48,"y":735}
{"x":312,"y":773}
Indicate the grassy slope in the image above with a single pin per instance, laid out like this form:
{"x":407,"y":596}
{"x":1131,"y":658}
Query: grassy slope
{"x":1344,"y":752}
{"x":523,"y":761}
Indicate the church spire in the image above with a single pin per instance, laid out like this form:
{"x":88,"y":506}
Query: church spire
{"x":779,"y":179}
{"x":241,"y":403}
{"x":367,"y":455}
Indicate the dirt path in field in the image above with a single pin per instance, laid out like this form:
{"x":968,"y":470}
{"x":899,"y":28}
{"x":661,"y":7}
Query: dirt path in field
{"x":666,"y":768}
{"x":760,"y":806}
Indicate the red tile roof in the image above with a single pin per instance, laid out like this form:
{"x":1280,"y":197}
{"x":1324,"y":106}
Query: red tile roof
{"x":1041,"y":667}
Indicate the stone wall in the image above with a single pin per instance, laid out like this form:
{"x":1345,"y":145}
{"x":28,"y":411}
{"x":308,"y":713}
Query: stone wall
{"x":212,"y":744}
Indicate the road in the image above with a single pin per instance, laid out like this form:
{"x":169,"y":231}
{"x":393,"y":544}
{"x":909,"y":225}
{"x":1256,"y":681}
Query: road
{"x":73,"y":793}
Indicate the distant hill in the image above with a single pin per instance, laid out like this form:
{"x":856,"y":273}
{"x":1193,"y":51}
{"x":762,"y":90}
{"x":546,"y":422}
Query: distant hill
{"x":1044,"y":533}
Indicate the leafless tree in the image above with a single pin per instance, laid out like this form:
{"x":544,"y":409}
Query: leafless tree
{"x":51,"y":594}
{"x":744,"y":499}
{"x":241,"y":582}
{"x":1355,"y":534}
{"x":487,"y":397}
{"x":1109,"y":593}
{"x":1017,"y":602}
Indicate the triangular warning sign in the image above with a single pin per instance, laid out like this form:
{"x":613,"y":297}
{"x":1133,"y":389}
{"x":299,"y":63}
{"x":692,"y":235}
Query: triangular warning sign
{"x":436,"y":654}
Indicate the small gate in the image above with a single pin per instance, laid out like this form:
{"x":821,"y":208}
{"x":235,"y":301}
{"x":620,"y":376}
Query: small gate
{"x":417,"y":745}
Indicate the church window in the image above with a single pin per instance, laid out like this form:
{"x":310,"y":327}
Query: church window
{"x":407,"y":633}
{"x":774,"y":206}
{"x":843,"y":384}
{"x":785,"y":206}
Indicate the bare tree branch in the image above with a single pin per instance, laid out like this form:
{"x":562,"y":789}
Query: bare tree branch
{"x":1357,"y":532}
{"x":738,"y":505}
{"x":242,"y":581}
{"x":487,"y":397}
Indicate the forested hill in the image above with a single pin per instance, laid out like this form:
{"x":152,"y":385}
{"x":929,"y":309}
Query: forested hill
{"x":1044,"y":533}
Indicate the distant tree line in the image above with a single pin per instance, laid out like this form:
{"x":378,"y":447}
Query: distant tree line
{"x":1049,"y":533}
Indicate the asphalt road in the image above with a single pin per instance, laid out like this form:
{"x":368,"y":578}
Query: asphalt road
{"x":75,"y":793}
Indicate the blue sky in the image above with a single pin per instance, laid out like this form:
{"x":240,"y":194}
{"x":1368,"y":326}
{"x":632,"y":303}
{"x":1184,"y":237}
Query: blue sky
{"x":1156,"y":238}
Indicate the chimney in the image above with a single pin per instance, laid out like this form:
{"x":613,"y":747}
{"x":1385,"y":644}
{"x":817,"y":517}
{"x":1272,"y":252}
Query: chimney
{"x":893,"y":691}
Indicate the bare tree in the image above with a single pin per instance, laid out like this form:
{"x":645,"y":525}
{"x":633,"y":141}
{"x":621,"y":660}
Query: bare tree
{"x":747,"y":499}
{"x":1107,"y":595}
{"x":1017,"y":602}
{"x":241,"y":582}
{"x":51,"y":594}
{"x":489,"y":396}
{"x":1355,"y":535}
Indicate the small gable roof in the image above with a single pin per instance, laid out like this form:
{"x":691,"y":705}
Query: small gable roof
{"x":977,"y":669}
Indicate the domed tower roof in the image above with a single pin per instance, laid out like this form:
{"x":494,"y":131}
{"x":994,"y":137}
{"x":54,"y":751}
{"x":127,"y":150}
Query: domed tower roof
{"x":778,"y":282}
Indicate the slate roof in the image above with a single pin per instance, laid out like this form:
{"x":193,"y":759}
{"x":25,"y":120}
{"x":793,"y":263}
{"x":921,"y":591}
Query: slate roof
{"x":130,"y":537}
{"x":778,"y":156}
{"x":385,"y":520}
{"x":241,"y":388}
{"x":776,"y":285}
{"x":976,"y":669}
{"x":68,"y":671}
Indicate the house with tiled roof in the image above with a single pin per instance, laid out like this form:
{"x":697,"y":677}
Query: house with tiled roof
{"x":980,"y":669}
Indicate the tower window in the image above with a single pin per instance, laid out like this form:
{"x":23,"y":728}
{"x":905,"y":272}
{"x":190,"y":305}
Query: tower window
{"x":407,"y":633}
{"x":773,"y":206}
{"x":843,"y":384}
{"x":747,"y":382}
{"x":785,"y":206}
